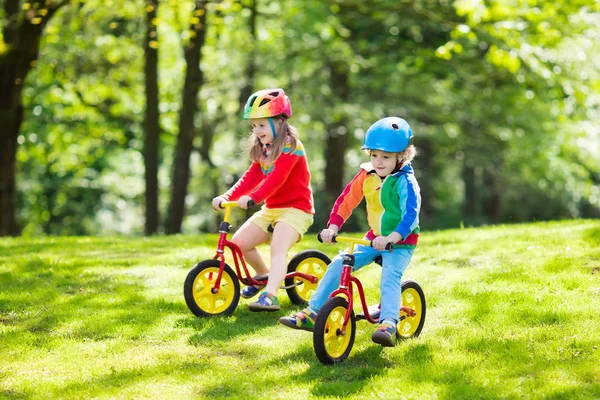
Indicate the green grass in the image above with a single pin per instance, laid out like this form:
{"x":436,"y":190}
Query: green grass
{"x":513,"y":311}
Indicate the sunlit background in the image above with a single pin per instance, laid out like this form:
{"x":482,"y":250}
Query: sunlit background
{"x":503,"y":98}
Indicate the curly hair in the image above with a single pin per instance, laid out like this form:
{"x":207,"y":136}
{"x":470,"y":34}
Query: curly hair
{"x":407,"y":155}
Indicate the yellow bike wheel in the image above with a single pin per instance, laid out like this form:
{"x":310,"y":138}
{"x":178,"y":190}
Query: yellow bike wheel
{"x":312,"y":262}
{"x":200,"y":294}
{"x":331,"y":342}
{"x":414,"y":298}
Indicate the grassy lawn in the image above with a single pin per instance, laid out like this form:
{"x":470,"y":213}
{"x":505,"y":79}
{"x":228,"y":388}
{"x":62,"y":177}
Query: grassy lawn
{"x":513,"y":311}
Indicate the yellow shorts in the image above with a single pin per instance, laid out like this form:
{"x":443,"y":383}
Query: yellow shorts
{"x":297,"y":219}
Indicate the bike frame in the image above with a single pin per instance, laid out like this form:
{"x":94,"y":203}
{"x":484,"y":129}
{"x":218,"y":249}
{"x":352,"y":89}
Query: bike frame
{"x":238,"y":256}
{"x":347,"y":280}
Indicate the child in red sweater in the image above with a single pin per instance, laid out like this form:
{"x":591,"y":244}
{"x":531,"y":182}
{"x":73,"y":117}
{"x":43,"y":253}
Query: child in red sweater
{"x":280,"y":177}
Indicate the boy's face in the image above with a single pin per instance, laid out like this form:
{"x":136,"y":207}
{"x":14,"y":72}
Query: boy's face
{"x":384,"y":163}
{"x":262,"y":129}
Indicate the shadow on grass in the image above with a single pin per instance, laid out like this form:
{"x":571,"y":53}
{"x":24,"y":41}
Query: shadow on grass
{"x":591,"y":392}
{"x":42,"y":297}
{"x":97,"y":251}
{"x":224,"y":328}
{"x":592,"y":235}
{"x":338,"y":380}
{"x":118,"y":380}
{"x":12,"y":394}
{"x":348,"y":377}
{"x":494,"y":307}
{"x":415,"y":360}
{"x":460,"y":262}
{"x":420,"y":365}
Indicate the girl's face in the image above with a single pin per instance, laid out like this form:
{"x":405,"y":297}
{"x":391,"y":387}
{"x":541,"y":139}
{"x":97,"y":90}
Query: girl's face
{"x":262,"y":129}
{"x":384,"y":163}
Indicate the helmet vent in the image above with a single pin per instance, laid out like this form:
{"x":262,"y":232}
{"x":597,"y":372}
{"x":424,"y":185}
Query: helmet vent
{"x":252,"y":101}
{"x":395,"y":126}
{"x":263,"y":102}
{"x":274,"y":94}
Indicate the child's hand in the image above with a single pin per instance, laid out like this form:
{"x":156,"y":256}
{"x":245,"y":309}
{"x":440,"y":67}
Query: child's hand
{"x":328,"y":234}
{"x":243,"y":202}
{"x":216,"y":202}
{"x":380,"y":242}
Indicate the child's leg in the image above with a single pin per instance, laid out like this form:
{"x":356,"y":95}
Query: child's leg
{"x":363,"y":255}
{"x":284,"y":237}
{"x":394,"y":265}
{"x":327,"y":284}
{"x":247,"y":238}
{"x":305,"y":319}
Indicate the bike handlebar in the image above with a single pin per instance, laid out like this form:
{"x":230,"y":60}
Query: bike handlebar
{"x":343,"y":239}
{"x":223,"y":204}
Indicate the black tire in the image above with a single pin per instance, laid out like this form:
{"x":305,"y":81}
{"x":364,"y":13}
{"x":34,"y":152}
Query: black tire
{"x":197,"y":290}
{"x":413,"y":297}
{"x":311,"y":262}
{"x":332,"y":349}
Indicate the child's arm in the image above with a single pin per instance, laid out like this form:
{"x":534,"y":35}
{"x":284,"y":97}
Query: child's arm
{"x":282,"y":167}
{"x":410,"y":200}
{"x":347,"y":201}
{"x":251,"y":178}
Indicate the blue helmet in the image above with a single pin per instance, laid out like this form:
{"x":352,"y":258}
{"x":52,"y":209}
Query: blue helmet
{"x":391,"y":134}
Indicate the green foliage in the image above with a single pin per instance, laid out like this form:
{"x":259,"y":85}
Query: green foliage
{"x":511,"y":312}
{"x":504,"y":93}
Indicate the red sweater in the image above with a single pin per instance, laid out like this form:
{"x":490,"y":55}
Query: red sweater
{"x":285,"y":183}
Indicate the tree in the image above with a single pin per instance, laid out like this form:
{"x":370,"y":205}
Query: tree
{"x":19,"y":46}
{"x":194,"y":78}
{"x":151,"y":121}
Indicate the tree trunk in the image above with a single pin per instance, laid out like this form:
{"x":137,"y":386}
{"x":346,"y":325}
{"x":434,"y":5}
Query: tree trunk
{"x":471,"y":202}
{"x":337,"y":136}
{"x":424,"y":170}
{"x":492,"y":205}
{"x":248,"y":87}
{"x":11,"y":121}
{"x":185,"y":139}
{"x":22,"y":34}
{"x":151,"y":121}
{"x":250,"y":72}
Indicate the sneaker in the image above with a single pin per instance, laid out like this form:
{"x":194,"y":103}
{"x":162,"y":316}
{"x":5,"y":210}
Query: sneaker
{"x":385,"y":334}
{"x":266,"y":302}
{"x":250,"y":291}
{"x":374,"y":311}
{"x":304,"y":320}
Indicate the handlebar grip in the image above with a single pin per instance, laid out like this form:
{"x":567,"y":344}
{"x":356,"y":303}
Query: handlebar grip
{"x":389,"y":247}
{"x":251,"y":203}
{"x":320,"y":239}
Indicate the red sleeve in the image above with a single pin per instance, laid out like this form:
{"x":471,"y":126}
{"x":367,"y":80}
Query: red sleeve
{"x":348,"y":200}
{"x":282,"y":167}
{"x":251,"y":178}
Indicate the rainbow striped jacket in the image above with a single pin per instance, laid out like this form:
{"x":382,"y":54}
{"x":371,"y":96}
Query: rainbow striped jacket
{"x":393,"y":203}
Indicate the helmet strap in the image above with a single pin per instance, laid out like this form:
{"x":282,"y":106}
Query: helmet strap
{"x":398,"y":165}
{"x":272,"y":127}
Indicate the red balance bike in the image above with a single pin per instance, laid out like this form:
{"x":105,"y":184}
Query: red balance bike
{"x":212,"y":287}
{"x":335,"y":326}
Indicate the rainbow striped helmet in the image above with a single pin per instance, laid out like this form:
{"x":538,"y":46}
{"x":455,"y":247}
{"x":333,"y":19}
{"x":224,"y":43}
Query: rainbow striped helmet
{"x":268,"y":103}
